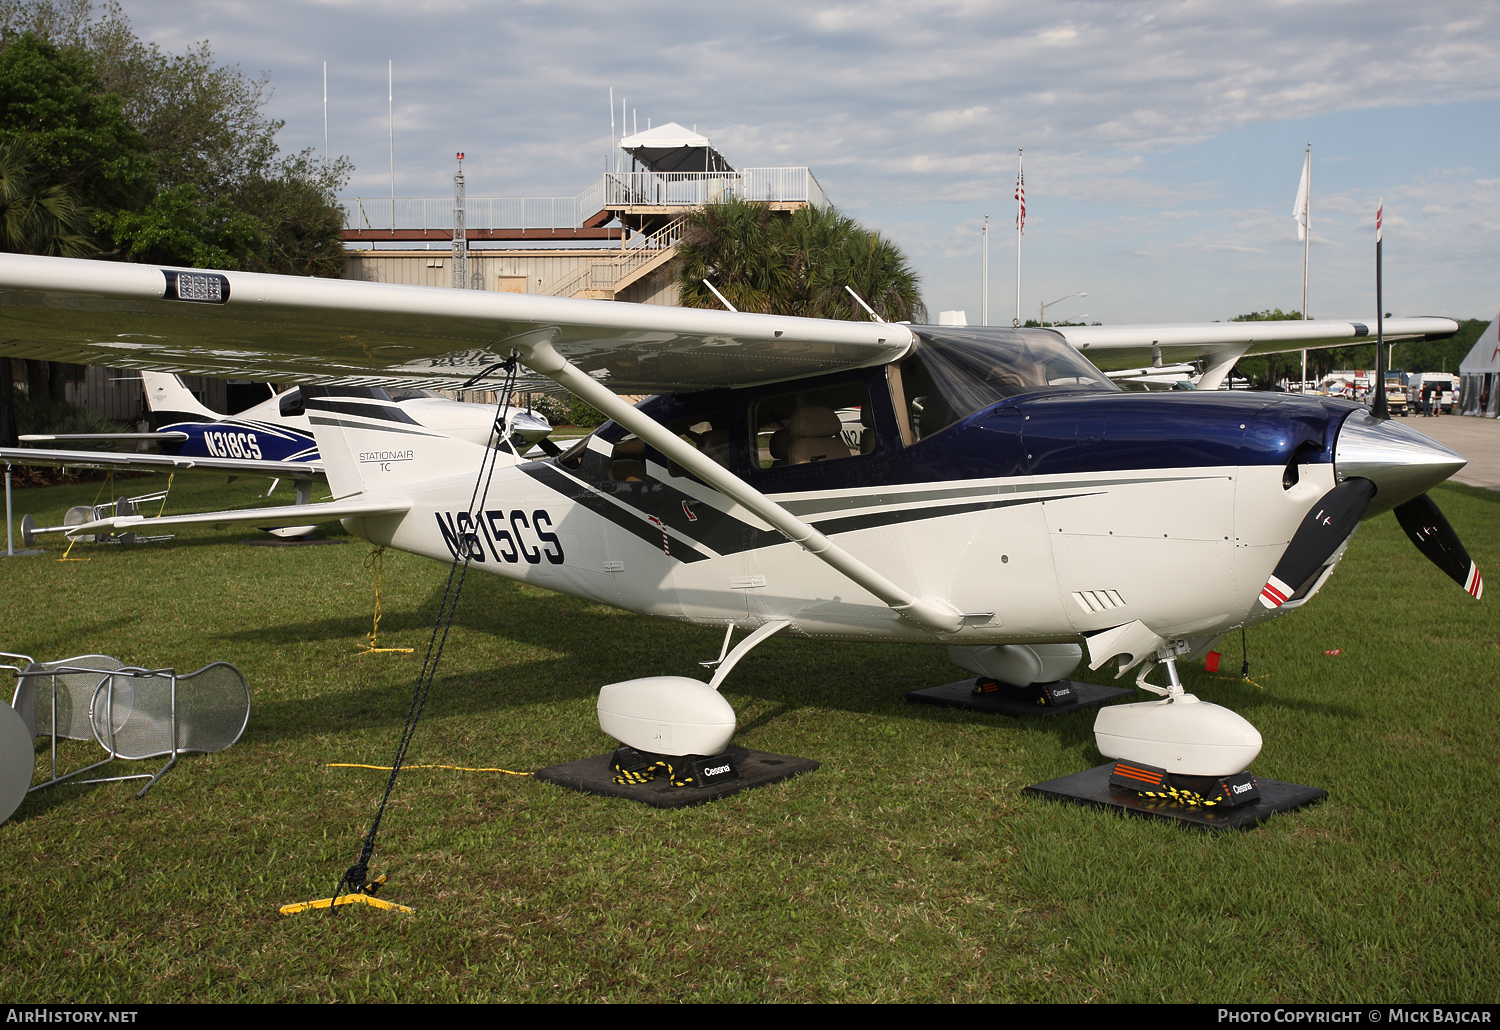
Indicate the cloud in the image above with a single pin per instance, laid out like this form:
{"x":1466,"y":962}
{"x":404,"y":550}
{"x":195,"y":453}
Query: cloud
{"x":894,"y":104}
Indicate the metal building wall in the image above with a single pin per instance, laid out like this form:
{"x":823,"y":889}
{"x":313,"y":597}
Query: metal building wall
{"x":509,"y":270}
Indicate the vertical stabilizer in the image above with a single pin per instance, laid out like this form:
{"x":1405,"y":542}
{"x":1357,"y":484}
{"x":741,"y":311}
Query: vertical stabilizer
{"x":166,"y":396}
{"x":369,"y":444}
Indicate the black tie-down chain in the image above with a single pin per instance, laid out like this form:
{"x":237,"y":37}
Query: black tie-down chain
{"x":356,"y":879}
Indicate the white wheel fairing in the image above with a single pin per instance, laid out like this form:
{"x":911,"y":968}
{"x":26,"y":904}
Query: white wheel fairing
{"x":1181,"y":735}
{"x":667,"y":715}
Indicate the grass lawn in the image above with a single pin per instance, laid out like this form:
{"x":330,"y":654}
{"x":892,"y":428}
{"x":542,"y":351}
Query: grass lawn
{"x":908,"y":868}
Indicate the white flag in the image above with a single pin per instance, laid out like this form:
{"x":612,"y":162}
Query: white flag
{"x":1299,"y":206}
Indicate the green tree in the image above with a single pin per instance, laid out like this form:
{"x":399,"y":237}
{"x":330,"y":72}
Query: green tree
{"x":185,"y":165}
{"x":53,"y":99}
{"x":797,"y":264}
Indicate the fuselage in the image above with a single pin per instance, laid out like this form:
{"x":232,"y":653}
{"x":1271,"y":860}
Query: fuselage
{"x":1044,"y":516}
{"x":277,"y":429}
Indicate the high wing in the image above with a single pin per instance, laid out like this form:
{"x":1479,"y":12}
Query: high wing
{"x":127,"y":461}
{"x":1224,"y":343}
{"x":344,"y":333}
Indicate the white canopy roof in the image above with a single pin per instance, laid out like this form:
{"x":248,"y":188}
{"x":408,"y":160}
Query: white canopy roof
{"x":1484,"y":356}
{"x":665,"y":137}
{"x":671,"y":148}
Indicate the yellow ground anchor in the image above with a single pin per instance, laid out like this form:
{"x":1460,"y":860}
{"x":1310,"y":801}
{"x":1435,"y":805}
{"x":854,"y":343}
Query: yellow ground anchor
{"x":374,"y":561}
{"x":347,"y":899}
{"x":109,"y":479}
{"x":455,"y":768}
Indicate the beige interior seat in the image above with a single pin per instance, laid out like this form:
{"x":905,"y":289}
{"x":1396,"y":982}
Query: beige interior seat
{"x":815,"y":436}
{"x":628,"y":461}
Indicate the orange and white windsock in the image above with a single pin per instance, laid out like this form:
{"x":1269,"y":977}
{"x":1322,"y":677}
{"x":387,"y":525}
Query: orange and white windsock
{"x":1379,"y":217}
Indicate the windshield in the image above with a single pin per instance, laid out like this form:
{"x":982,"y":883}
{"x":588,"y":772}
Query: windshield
{"x":955,"y":372}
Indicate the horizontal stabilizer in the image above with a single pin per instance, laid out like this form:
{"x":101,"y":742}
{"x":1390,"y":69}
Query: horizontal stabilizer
{"x":279,"y":515}
{"x":130,"y":461}
{"x":46,"y":437}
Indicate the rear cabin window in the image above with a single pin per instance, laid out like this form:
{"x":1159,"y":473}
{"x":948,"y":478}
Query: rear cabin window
{"x":811,"y":426}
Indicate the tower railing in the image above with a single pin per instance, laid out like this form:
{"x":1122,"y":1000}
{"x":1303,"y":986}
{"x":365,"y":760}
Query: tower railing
{"x":615,"y":190}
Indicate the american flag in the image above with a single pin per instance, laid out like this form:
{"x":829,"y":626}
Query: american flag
{"x":1021,"y":198}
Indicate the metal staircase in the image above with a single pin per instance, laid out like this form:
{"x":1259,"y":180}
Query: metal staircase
{"x":602,"y":278}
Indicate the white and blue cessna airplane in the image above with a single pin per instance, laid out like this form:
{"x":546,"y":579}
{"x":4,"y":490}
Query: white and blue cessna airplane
{"x":1004,"y":499}
{"x":271,"y":438}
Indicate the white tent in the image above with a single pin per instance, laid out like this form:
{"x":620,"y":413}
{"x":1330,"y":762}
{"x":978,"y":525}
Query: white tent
{"x":1479,"y":374}
{"x":672,"y":148}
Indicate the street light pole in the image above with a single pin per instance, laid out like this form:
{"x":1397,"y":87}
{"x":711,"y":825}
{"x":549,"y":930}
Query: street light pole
{"x":1041,"y":311}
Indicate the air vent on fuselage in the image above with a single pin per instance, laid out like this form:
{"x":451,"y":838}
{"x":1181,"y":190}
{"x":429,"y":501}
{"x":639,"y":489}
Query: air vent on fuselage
{"x":1098,"y":600}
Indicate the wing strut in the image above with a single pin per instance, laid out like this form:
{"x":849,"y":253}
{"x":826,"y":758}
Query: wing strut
{"x":1220,"y":364}
{"x":930,"y":613}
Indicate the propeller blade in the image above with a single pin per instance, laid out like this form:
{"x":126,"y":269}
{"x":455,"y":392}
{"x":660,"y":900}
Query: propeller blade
{"x":1326,"y":525}
{"x":1435,"y":538}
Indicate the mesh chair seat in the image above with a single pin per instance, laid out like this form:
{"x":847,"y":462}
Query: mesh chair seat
{"x":75,"y":695}
{"x":132,"y":715}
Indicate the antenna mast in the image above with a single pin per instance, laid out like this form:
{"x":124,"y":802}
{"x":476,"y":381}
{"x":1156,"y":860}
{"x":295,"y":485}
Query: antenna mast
{"x":390,"y":105}
{"x":460,"y":237}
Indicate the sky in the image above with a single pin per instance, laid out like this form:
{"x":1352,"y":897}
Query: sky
{"x":1163,"y":140}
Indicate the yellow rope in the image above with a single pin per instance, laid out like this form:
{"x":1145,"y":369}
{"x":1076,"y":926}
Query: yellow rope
{"x":1241,"y":679}
{"x":455,"y":768}
{"x":375,"y":560}
{"x":109,"y":478}
{"x":170,"y":477}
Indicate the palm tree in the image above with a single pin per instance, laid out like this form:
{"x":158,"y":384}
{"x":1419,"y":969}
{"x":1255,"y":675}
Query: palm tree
{"x":794,"y":265}
{"x":35,"y":218}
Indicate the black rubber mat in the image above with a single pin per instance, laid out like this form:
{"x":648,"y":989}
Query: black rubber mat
{"x":1007,"y":702}
{"x":757,"y":769}
{"x":1091,"y":787}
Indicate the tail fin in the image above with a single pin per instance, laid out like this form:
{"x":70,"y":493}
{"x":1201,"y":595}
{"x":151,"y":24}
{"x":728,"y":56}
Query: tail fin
{"x":369,"y":444}
{"x":166,"y":396}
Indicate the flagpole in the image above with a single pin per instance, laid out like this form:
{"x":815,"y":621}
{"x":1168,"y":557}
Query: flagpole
{"x":1380,"y":409}
{"x":1306,"y":251}
{"x":1020,"y":222}
{"x":984,"y":289}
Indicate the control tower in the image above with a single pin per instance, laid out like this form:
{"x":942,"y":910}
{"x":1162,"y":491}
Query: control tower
{"x":616,"y":240}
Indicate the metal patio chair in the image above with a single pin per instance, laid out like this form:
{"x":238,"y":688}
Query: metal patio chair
{"x":131,"y":712}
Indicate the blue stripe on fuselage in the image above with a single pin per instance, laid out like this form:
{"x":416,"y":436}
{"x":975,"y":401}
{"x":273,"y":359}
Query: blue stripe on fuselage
{"x":1038,"y":435}
{"x":233,"y":439}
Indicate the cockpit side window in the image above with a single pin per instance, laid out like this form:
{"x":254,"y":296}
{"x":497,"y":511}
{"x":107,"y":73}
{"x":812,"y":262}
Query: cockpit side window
{"x":291,"y":403}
